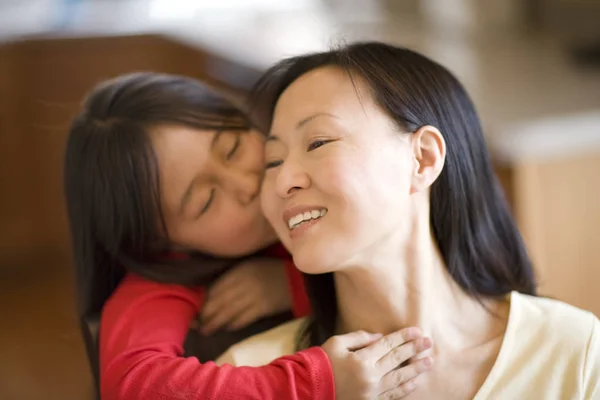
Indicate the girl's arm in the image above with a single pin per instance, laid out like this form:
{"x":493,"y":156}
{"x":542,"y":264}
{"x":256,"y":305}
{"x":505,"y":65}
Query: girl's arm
{"x":143,"y":328}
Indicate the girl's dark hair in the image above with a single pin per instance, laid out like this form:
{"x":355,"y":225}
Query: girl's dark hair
{"x":470,"y":219}
{"x":112,"y":187}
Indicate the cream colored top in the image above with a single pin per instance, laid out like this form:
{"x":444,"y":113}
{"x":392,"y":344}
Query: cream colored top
{"x":551,"y":350}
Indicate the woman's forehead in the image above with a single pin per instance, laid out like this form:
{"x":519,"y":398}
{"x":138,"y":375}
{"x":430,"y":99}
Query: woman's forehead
{"x":322,"y":91}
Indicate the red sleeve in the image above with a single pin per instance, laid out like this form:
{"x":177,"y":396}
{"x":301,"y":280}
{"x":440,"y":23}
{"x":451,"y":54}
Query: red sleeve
{"x":300,"y":302}
{"x":143,"y":328}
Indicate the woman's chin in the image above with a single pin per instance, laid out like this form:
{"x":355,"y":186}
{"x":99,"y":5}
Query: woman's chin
{"x":312,"y":264}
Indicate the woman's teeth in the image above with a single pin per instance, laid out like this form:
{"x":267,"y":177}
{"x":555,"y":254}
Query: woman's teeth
{"x":305,"y":216}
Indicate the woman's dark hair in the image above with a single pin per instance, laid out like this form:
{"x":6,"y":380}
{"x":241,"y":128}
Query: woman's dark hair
{"x":470,"y":219}
{"x":112,"y":186}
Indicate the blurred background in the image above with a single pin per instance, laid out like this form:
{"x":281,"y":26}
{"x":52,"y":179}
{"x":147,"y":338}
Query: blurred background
{"x":532,"y":67}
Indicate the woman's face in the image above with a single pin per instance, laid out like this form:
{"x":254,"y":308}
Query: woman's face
{"x":210,"y":184}
{"x":337,"y":162}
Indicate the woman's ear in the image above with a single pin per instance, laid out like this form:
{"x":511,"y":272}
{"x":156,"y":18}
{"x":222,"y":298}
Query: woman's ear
{"x":429,"y":152}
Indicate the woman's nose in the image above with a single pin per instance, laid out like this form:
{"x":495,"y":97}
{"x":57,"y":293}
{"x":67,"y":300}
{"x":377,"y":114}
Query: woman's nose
{"x":291,"y":177}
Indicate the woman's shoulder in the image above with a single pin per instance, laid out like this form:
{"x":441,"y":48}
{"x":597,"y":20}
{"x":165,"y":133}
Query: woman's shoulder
{"x":559,"y":331}
{"x":554,"y":316}
{"x":550,"y":347}
{"x":265,"y":347}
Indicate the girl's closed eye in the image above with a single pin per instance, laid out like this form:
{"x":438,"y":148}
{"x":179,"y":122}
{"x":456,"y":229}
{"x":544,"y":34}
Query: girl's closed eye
{"x":273,"y":164}
{"x":235,"y":146}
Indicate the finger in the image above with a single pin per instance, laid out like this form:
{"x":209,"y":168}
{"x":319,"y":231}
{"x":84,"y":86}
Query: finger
{"x":244,"y":319}
{"x":388,"y":342}
{"x":399,"y":392}
{"x":399,"y":377}
{"x":225,"y":307}
{"x":402,"y":353}
{"x":354,"y":340}
{"x":225,"y":315}
{"x":215,"y":303}
{"x":225,"y":283}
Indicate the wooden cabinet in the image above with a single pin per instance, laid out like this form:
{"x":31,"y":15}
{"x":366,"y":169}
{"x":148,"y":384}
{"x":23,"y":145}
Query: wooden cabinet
{"x":556,"y":202}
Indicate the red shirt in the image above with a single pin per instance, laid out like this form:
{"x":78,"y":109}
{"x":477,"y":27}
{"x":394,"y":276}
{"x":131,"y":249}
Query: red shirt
{"x":144,"y":325}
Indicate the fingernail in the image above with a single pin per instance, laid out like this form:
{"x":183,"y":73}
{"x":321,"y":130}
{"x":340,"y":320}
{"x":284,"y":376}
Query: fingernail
{"x":426,"y":343}
{"x":427,"y":362}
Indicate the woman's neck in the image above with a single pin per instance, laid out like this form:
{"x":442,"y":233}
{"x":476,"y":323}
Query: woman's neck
{"x":393,"y":289}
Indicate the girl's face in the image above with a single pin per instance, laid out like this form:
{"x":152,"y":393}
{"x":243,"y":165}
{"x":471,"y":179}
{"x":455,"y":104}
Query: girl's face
{"x":209,"y":186}
{"x":338,"y":179}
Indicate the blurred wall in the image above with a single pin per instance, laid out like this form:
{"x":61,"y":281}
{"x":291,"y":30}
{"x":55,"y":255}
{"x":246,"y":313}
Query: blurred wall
{"x":42,"y":82}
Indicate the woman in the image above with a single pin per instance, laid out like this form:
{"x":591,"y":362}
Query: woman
{"x":160,"y":170}
{"x":379,"y":183}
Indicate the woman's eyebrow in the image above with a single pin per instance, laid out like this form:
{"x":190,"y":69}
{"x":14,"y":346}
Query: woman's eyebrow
{"x":302,"y":122}
{"x":306,"y":120}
